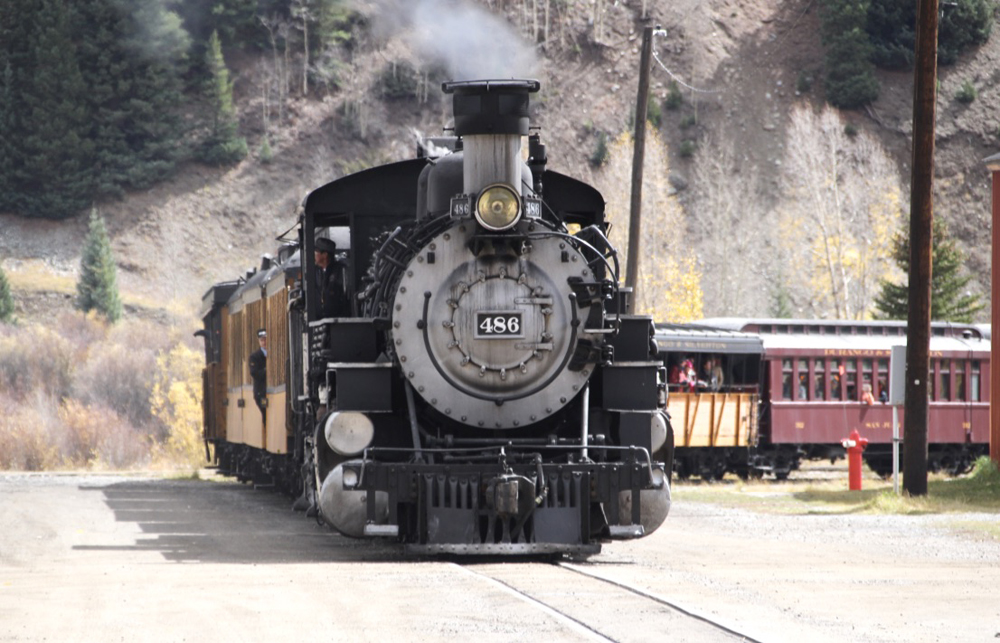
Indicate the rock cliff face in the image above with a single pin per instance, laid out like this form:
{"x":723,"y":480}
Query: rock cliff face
{"x":743,"y":65}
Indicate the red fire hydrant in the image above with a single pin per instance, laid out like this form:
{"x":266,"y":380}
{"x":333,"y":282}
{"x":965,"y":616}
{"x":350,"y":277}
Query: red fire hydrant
{"x":855,"y":446}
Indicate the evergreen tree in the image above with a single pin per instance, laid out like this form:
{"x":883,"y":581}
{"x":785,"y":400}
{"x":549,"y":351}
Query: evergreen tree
{"x":891,"y":23}
{"x":7,"y":140}
{"x":53,"y":173}
{"x":223,"y":144}
{"x":6,"y":299}
{"x":98,"y":287}
{"x":850,"y":75}
{"x":132,"y":62}
{"x":949,"y":300}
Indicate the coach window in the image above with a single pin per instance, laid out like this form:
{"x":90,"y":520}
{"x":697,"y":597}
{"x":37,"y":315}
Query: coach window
{"x":836,"y":393}
{"x":883,"y":378}
{"x":803,"y":379}
{"x":851,"y":380}
{"x":974,"y":382}
{"x":960,"y":380}
{"x":944,"y":380}
{"x":819,"y":380}
{"x":786,"y":379}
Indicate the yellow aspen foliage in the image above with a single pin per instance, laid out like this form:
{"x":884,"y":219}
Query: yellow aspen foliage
{"x":669,"y":282}
{"x":176,"y":401}
{"x":843,"y":199}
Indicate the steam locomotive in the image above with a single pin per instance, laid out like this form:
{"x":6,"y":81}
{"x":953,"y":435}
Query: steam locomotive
{"x":483,"y":389}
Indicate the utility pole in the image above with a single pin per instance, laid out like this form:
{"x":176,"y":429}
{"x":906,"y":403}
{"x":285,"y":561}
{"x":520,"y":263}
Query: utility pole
{"x":638,"y":156}
{"x":918,"y":329}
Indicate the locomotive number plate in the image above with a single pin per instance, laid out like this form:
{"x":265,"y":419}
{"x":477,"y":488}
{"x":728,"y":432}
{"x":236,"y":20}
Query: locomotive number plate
{"x":501,"y":324}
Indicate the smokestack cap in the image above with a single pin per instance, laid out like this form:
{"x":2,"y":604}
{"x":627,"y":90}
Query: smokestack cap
{"x":491,"y":106}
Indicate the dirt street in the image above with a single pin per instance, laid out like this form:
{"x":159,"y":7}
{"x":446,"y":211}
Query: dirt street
{"x":100,"y":558}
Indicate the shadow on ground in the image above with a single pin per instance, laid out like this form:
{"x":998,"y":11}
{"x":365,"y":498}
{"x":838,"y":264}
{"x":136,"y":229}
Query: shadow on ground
{"x":226,"y":522}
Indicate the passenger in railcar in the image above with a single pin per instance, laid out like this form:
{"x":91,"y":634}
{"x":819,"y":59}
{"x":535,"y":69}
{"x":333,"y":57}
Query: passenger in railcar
{"x":866,"y":396}
{"x":714,"y":377}
{"x":258,"y":373}
{"x":883,"y":393}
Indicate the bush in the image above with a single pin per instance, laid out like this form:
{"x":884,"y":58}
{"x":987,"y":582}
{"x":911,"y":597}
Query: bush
{"x":266,"y":153}
{"x":804,"y":82}
{"x":34,"y":359}
{"x":674,"y":97}
{"x":966,"y":93}
{"x":25,"y":429}
{"x":600,"y":154}
{"x":119,"y":373}
{"x":687,"y":149}
{"x":689,"y":121}
{"x":6,"y":299}
{"x":176,"y":402}
{"x":398,"y":81}
{"x":653,"y":112}
{"x":97,"y":437}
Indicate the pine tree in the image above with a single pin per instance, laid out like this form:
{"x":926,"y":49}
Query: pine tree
{"x":850,"y":74}
{"x":55,"y":177}
{"x":223,"y":144}
{"x":7,"y":138}
{"x":6,"y":299}
{"x":98,"y":287}
{"x":132,"y":61}
{"x":949,"y":299}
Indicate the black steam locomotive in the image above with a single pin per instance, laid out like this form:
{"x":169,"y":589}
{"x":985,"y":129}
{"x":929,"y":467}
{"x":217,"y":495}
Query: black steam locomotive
{"x":480,"y":387}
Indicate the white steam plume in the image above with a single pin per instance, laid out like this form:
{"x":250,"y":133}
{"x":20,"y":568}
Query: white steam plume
{"x":469,"y":41}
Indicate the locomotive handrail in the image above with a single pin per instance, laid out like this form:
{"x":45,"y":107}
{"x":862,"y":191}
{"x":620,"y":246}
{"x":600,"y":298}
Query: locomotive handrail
{"x":574,"y":239}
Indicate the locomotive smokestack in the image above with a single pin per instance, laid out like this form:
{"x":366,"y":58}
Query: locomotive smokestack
{"x":491,"y":116}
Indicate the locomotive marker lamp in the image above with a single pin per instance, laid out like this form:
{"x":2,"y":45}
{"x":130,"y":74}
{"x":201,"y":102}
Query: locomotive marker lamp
{"x":498,"y":207}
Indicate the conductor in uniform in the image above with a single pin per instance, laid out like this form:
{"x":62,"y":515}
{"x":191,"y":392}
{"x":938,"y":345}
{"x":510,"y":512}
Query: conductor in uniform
{"x":258,"y":373}
{"x":330,"y":280}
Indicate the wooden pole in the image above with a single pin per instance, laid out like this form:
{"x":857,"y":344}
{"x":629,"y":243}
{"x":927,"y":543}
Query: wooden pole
{"x":918,"y":330}
{"x":638,"y":156}
{"x":993,"y":163}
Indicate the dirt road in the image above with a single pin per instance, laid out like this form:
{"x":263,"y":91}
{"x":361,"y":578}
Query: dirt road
{"x":99,"y":558}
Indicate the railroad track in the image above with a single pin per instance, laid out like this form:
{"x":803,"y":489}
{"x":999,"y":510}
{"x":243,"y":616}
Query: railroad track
{"x":596,"y":607}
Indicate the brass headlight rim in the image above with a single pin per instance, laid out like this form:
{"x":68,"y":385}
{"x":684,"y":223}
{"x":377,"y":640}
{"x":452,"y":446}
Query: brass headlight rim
{"x":517,"y":200}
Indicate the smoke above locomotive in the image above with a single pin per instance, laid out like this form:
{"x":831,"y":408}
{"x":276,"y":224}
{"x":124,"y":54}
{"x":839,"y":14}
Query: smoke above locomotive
{"x":462,"y":373}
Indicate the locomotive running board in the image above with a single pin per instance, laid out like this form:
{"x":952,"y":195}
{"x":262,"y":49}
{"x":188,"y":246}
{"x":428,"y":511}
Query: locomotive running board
{"x":490,"y":549}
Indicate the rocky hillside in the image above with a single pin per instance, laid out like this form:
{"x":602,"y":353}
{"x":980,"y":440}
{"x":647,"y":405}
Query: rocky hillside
{"x":741,"y":60}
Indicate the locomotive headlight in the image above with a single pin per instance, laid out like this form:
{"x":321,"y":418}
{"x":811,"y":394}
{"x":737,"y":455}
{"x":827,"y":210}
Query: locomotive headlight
{"x":348,"y":432}
{"x":498,"y":207}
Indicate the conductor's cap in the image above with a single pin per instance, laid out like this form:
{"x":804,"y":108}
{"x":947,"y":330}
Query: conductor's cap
{"x":326,"y":245}
{"x":261,"y":333}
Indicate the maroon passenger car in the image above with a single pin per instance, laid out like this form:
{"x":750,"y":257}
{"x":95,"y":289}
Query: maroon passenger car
{"x":823,"y":379}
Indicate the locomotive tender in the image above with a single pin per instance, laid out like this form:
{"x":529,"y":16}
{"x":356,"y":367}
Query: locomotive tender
{"x":484,"y":390}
